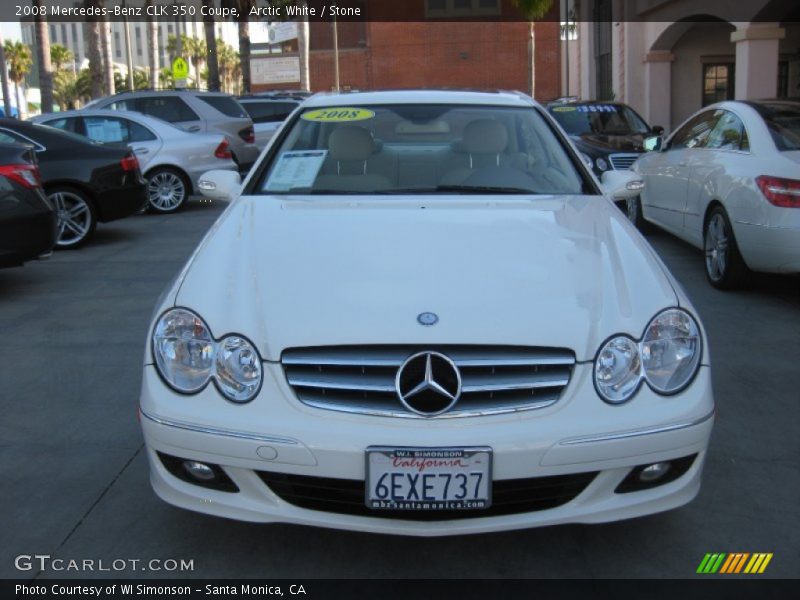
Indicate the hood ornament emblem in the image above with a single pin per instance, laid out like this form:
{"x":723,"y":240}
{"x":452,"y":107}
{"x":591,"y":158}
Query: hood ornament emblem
{"x":427,"y":318}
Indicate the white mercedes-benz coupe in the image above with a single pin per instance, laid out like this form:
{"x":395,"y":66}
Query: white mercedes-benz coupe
{"x":728,"y":182}
{"x":421,"y":314}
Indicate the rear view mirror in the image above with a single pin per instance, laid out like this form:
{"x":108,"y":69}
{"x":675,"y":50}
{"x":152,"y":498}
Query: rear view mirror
{"x":657,"y":130}
{"x":653,"y":143}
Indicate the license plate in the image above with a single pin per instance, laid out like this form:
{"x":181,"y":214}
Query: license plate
{"x":429,"y":478}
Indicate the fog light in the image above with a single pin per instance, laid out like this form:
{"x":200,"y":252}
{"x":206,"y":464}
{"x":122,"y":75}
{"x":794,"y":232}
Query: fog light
{"x":200,"y":471}
{"x":654,"y":472}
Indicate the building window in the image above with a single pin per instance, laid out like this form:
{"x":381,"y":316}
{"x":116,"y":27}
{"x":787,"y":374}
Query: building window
{"x":461,"y":8}
{"x":604,"y":89}
{"x":53,"y":37}
{"x":117,"y":45}
{"x":783,"y":79}
{"x":718,"y":82}
{"x":138,"y":41}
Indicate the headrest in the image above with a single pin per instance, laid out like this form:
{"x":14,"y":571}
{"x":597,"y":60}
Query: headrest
{"x":348,"y":142}
{"x":485,"y":136}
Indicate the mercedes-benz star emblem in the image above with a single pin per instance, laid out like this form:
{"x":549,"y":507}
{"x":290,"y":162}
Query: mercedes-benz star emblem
{"x":428,"y":383}
{"x":427,"y":318}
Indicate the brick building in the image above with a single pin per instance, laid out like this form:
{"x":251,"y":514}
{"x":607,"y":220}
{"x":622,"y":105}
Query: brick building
{"x":486,"y":47}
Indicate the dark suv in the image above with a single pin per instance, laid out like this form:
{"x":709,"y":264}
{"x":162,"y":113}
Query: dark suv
{"x":610,"y":134}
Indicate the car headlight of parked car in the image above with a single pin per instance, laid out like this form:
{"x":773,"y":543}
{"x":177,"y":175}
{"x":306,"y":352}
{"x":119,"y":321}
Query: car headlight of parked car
{"x":187,"y":357}
{"x":601,"y":163}
{"x":667,"y":358}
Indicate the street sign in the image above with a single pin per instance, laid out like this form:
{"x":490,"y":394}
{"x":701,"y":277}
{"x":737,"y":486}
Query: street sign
{"x":180,"y":69}
{"x":272,"y":33}
{"x":275,"y":70}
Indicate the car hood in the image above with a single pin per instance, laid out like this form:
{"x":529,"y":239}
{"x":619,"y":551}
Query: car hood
{"x":566,"y":271}
{"x":612,"y":143}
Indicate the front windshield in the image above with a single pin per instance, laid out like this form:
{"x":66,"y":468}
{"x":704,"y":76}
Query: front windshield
{"x":602,"y":119}
{"x":420,"y":148}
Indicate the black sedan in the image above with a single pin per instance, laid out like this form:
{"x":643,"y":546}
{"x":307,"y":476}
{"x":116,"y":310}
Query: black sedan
{"x":86,"y":182}
{"x":27,"y":220}
{"x":610,"y":134}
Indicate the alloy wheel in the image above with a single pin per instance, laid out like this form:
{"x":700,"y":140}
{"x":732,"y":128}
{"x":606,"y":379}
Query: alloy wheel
{"x":166,"y":191}
{"x":74,"y":217}
{"x":716,"y":247}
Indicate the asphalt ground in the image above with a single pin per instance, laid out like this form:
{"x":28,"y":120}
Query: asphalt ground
{"x":75,"y":479}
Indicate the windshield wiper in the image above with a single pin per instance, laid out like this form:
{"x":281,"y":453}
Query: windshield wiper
{"x":483,"y":189}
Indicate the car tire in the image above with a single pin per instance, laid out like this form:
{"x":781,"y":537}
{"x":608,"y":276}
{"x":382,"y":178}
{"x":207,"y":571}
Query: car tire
{"x":632,"y":207}
{"x":725,"y":268}
{"x":76,"y":216}
{"x":167,"y":190}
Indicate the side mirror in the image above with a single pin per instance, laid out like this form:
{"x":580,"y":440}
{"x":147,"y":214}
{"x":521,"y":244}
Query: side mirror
{"x":653,"y":143}
{"x":219,"y":184}
{"x":657,"y":130}
{"x":622,"y":185}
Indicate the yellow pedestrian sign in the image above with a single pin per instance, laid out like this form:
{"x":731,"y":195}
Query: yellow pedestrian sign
{"x":180,"y":68}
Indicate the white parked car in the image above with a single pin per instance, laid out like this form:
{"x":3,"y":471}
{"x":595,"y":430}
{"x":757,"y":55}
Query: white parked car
{"x":422,"y":314}
{"x":171,"y":159}
{"x":728,"y":182}
{"x":268,"y":112}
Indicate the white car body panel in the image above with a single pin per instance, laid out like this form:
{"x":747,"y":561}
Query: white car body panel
{"x":545,"y":271}
{"x":677,"y":198}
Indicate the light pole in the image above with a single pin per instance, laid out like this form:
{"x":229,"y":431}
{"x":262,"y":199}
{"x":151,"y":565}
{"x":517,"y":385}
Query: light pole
{"x":335,"y":55}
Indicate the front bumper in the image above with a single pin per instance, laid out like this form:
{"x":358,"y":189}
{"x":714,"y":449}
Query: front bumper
{"x":277,"y":434}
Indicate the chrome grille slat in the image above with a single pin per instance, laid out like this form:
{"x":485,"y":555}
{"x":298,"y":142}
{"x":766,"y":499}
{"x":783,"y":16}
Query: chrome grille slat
{"x":623,"y":161}
{"x":495,"y":379}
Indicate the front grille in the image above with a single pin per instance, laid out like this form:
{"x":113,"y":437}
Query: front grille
{"x":495,"y":379}
{"x":346,"y":496}
{"x":623,"y":161}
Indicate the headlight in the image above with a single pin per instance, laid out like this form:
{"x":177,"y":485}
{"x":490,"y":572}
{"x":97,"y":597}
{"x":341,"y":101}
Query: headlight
{"x":671,"y":351}
{"x":237,"y":369}
{"x":601,"y":164}
{"x":618,"y":369}
{"x":667,"y":358}
{"x":187,"y":357}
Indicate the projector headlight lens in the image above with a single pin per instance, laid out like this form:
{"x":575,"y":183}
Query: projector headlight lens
{"x":671,"y":350}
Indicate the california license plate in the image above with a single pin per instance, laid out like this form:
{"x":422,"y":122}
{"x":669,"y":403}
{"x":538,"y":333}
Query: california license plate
{"x":429,"y":478}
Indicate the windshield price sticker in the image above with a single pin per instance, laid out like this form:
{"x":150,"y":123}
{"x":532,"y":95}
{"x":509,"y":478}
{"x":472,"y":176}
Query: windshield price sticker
{"x":295,"y":170}
{"x":339,"y":114}
{"x":428,"y":478}
{"x":564,"y":109}
{"x":597,"y":108}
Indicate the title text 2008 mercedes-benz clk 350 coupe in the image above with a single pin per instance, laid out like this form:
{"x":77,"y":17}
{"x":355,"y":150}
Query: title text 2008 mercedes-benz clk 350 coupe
{"x":421,"y":314}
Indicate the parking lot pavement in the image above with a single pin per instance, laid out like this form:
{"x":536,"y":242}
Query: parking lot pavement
{"x":75,"y":478}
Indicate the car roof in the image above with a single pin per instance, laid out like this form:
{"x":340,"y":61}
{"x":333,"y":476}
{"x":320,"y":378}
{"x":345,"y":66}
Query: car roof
{"x":499,"y":98}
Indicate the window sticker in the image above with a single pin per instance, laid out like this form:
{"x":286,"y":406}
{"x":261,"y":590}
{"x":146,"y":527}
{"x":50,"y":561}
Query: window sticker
{"x":295,"y":170}
{"x":106,"y":130}
{"x":564,"y":109}
{"x":338,"y":114}
{"x":597,"y":108}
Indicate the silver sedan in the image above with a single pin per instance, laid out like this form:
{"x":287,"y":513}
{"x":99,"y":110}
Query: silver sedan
{"x":171,"y":159}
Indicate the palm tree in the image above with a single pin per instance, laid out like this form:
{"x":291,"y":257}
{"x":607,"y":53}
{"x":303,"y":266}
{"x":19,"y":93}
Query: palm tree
{"x":229,"y":67}
{"x":66,"y":90}
{"x":195,"y":49}
{"x":211,"y":45}
{"x":533,"y":10}
{"x":92,"y":38}
{"x":19,"y":59}
{"x":4,"y":78}
{"x":59,"y":56}
{"x":43,"y":57}
{"x":244,"y":7}
{"x":152,"y":47}
{"x":108,"y":58}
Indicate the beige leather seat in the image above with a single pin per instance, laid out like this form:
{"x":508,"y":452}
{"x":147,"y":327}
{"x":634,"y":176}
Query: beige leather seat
{"x":484,"y":143}
{"x":346,"y":166}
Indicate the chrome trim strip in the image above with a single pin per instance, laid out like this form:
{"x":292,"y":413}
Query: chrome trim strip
{"x":636,"y":433}
{"x":404,"y":414}
{"x":242,"y":435}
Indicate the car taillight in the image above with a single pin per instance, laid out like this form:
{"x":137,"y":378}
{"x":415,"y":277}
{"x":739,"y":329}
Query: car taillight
{"x":223,"y":150}
{"x":248,"y":135}
{"x":129,"y":163}
{"x":779,"y":191}
{"x":26,"y":175}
